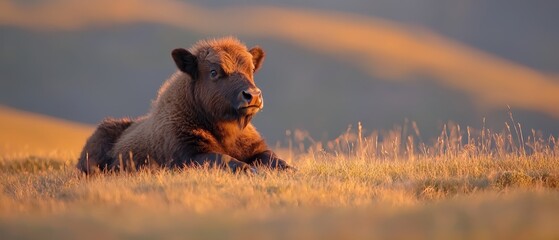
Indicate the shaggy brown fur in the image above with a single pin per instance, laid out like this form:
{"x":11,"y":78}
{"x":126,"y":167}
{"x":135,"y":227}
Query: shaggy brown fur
{"x":201,"y":116}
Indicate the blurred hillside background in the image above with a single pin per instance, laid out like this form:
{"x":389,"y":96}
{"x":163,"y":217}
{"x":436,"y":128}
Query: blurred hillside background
{"x":329,"y":63}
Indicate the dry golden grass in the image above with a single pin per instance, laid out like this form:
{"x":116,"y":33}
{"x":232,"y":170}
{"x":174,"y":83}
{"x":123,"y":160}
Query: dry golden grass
{"x":467,"y":184}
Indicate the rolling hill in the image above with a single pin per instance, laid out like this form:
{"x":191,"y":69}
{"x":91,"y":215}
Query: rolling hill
{"x":29,"y":133}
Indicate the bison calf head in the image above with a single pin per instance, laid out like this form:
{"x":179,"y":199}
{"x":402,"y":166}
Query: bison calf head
{"x":223,"y":78}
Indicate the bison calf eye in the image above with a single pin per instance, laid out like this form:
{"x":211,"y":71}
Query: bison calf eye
{"x":213,"y":73}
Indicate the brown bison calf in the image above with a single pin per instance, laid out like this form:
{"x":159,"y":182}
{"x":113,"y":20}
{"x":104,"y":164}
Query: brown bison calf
{"x":201,"y":116}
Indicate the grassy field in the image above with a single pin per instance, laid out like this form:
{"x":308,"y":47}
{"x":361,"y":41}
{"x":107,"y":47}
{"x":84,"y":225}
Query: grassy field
{"x":467,"y":184}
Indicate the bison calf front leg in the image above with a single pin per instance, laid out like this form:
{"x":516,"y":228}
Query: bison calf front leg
{"x":222,"y":161}
{"x":271,"y":160}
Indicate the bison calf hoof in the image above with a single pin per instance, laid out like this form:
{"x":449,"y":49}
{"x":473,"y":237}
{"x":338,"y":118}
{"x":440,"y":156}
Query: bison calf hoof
{"x":290,"y":168}
{"x":243,"y":168}
{"x":250,"y":170}
{"x":282,"y":165}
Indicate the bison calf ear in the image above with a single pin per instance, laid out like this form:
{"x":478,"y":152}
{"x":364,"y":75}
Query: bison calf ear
{"x":257,"y":57}
{"x":186,"y":62}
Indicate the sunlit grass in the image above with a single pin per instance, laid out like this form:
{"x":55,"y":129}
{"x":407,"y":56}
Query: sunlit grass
{"x":467,"y":183}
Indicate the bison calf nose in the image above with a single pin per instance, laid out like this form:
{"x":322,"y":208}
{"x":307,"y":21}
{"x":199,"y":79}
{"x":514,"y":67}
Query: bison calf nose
{"x":253,"y":97}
